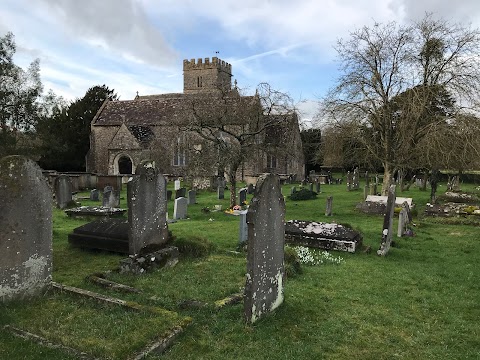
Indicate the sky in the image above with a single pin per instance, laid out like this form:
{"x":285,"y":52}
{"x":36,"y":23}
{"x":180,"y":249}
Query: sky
{"x":139,"y":45}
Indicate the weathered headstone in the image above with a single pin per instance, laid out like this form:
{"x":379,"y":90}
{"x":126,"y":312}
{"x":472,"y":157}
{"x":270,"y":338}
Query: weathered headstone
{"x":242,"y":196}
{"x":180,"y":208}
{"x":221,"y":191}
{"x":192,"y":197}
{"x":243,"y":229}
{"x":63,"y":191}
{"x":111,"y":197}
{"x":388,"y":223}
{"x":266,"y":239}
{"x":404,"y":218}
{"x":182,"y":192}
{"x":94,"y":195}
{"x":356,"y":179}
{"x":177,"y":184}
{"x":147,"y":208}
{"x":367,"y":178}
{"x":365,"y":191}
{"x":328,"y":210}
{"x":293,"y":190}
{"x":372,"y":189}
{"x":317,"y":186}
{"x":349,"y":181}
{"x":25,"y":229}
{"x":169,"y":195}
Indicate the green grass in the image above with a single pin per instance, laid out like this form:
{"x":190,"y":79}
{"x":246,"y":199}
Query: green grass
{"x":419,"y":302}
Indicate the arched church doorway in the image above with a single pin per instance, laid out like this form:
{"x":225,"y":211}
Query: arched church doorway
{"x":124,"y":165}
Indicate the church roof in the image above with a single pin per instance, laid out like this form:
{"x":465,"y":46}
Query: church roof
{"x":163,"y":109}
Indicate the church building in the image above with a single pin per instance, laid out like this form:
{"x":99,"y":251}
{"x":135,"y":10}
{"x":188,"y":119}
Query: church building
{"x":159,"y":128}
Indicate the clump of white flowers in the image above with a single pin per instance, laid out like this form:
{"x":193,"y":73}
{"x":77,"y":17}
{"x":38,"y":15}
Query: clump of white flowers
{"x":309,"y":256}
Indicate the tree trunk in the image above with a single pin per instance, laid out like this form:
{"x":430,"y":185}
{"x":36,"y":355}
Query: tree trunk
{"x":387,"y":178}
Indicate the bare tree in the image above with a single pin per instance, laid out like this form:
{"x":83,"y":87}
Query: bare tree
{"x":403,"y":85}
{"x":241,"y":127}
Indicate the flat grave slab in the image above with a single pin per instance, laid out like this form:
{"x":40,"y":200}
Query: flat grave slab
{"x":322,"y":235}
{"x":109,"y":235}
{"x":95,"y":211}
{"x":383,"y":200}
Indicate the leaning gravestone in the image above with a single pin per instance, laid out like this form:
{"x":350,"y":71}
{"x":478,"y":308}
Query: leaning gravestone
{"x":63,"y":191}
{"x":388,"y":223}
{"x":25,"y":228}
{"x":266,"y":239}
{"x":147,"y":208}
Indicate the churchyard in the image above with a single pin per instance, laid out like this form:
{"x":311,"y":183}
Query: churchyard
{"x":420,"y":300}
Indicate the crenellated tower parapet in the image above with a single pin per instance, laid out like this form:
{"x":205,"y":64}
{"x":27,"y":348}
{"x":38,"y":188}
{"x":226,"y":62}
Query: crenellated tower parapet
{"x":205,"y":75}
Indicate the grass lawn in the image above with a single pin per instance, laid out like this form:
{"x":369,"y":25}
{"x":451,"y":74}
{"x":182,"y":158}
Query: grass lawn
{"x":421,"y":301}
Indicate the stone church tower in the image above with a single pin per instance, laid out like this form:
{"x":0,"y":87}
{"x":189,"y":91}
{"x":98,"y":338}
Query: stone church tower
{"x":200,"y":77}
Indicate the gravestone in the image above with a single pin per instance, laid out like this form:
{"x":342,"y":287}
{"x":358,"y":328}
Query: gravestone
{"x":192,"y":197}
{"x":349,"y":181}
{"x":388,"y":223}
{"x":372,"y":189}
{"x":180,"y":208}
{"x":25,"y":229}
{"x":266,"y":239}
{"x":221,"y":191}
{"x":169,"y":195}
{"x":94,"y":195}
{"x":111,"y":197}
{"x":63,"y":191}
{"x":328,"y":210}
{"x":367,"y":179}
{"x":250,"y":189}
{"x":177,"y":184}
{"x":293,"y":190}
{"x":181,"y":192}
{"x":404,"y":218}
{"x":356,"y":179}
{"x":243,"y":229}
{"x":242,"y":196}
{"x":147,"y":209}
{"x":365,"y":191}
{"x":317,"y":186}
{"x":104,"y":234}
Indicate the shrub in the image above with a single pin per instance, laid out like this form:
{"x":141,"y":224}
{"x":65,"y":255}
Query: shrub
{"x":194,"y":246}
{"x":303,"y":194}
{"x":292,"y":262}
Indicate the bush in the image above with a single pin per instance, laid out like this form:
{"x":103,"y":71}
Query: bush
{"x":194,"y":246}
{"x":292,"y":262}
{"x":303,"y":194}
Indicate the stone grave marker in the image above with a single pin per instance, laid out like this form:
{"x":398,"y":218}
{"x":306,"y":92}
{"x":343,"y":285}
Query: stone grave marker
{"x":404,"y":218}
{"x":111,"y":197}
{"x":328,"y":210}
{"x":181,"y":192}
{"x":221,"y":190}
{"x":349,"y":181}
{"x":192,"y":197}
{"x":243,"y":229}
{"x":266,"y":238}
{"x":242,"y":196}
{"x":250,"y":189}
{"x":177,"y":184}
{"x":63,"y":191}
{"x":169,"y":195}
{"x":365,"y":191}
{"x":317,"y":186}
{"x":25,"y":229}
{"x":180,"y":208}
{"x":94,"y":195}
{"x":293,"y":190}
{"x":388,"y":223}
{"x":147,"y":208}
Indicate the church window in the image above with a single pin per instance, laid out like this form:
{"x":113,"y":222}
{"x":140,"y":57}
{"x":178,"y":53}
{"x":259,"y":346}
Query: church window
{"x":271,"y":161}
{"x":179,"y":153}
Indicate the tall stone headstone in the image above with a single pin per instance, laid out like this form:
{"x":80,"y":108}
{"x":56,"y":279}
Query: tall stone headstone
{"x":242,"y":196}
{"x":349,"y":181}
{"x":169,"y":195}
{"x":356,"y":179}
{"x":221,"y":191}
{"x":25,"y":229}
{"x":266,"y":239}
{"x":317,"y":186}
{"x":177,"y":184}
{"x":180,"y":208}
{"x":387,"y":234}
{"x":328,"y":209}
{"x":63,"y":191}
{"x":243,"y":229}
{"x":147,"y":208}
{"x":404,"y":218}
{"x":192,"y":197}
